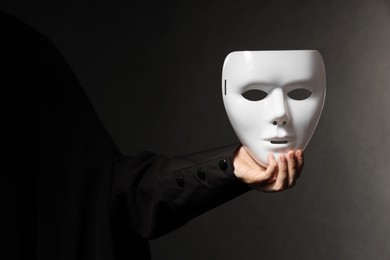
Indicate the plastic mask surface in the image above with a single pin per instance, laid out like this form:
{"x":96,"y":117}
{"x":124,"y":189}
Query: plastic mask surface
{"x":273,"y":99}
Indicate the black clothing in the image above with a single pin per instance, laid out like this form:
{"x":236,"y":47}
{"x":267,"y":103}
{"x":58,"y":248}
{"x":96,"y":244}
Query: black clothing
{"x":159,"y":195}
{"x":70,"y":193}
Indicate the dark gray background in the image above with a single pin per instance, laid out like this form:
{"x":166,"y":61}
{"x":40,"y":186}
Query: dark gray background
{"x":152,"y":70}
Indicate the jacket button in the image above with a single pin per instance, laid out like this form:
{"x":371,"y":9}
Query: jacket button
{"x":223,"y":164}
{"x":201,"y":174}
{"x":180,"y":181}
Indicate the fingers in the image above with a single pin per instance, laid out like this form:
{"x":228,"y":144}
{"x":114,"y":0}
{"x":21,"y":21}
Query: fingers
{"x":292,"y":168}
{"x":288,"y":169}
{"x":271,"y":171}
{"x":300,"y":162}
{"x":270,"y":175}
{"x":282,"y":181}
{"x":280,"y":170}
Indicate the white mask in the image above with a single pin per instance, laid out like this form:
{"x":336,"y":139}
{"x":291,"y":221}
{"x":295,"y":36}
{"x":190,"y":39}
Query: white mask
{"x":273,"y":99}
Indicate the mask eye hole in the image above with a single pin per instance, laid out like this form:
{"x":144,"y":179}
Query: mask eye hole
{"x":299,"y":94}
{"x":254,"y":94}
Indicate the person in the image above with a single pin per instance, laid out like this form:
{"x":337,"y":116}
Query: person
{"x":71,"y":194}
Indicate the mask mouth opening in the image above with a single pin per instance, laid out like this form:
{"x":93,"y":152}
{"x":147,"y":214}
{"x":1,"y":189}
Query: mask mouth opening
{"x":279,"y":142}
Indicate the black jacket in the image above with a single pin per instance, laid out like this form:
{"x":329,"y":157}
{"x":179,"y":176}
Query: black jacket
{"x":69,"y":193}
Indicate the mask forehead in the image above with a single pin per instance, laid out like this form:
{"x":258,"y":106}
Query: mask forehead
{"x":273,"y":68}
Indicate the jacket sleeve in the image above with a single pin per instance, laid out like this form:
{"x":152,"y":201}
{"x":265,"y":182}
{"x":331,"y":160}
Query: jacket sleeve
{"x":162,"y":194}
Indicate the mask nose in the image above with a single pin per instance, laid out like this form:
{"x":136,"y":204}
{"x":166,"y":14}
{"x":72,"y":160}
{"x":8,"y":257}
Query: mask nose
{"x":278,"y":108}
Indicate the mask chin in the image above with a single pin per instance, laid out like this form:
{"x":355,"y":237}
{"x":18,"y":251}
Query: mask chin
{"x":260,"y":152}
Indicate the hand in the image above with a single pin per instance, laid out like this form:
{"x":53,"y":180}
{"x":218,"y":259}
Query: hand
{"x":278,"y":176}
